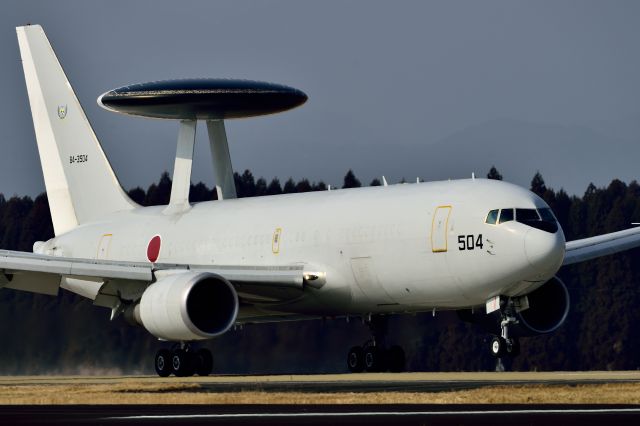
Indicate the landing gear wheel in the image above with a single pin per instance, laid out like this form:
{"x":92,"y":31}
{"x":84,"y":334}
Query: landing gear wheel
{"x":204,"y":364}
{"x":396,"y":359}
{"x":513,"y":348}
{"x":374,"y":359}
{"x":498,"y":346}
{"x":182,"y":363}
{"x":355,"y":359}
{"x":163,"y":363}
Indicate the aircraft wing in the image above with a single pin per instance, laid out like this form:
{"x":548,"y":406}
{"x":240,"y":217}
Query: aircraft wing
{"x":39,"y":273}
{"x":43,"y":274}
{"x":601,"y":245}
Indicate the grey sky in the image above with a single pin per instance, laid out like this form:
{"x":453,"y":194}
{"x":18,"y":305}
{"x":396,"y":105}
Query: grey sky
{"x":390,"y":85}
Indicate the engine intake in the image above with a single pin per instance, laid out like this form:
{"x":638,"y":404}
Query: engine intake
{"x":188,"y":306}
{"x":548,"y":310}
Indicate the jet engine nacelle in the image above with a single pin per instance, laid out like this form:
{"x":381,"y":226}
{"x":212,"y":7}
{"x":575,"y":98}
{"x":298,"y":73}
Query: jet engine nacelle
{"x":188,"y":306}
{"x":548,"y":310}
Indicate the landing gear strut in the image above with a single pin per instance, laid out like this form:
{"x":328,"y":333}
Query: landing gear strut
{"x":373,"y":355}
{"x":183,"y":361}
{"x":505,"y":345}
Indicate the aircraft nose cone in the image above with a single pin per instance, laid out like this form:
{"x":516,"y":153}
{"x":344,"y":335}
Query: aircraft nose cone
{"x":544,"y":251}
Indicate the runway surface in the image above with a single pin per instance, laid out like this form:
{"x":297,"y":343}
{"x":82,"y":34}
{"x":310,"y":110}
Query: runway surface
{"x":215,"y":400}
{"x":363,"y":382}
{"x":316,"y":415}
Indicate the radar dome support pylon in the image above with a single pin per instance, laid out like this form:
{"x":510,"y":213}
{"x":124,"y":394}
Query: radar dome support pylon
{"x":221,"y":158}
{"x":181,"y":182}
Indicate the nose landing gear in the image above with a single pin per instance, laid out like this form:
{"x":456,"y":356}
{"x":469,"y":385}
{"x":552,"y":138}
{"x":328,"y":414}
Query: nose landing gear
{"x":504,"y":345}
{"x":183,"y":361}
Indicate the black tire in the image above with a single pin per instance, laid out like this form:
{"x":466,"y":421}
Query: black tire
{"x":355,"y":360}
{"x":204,"y":362}
{"x":163,"y":363}
{"x":513,"y":348}
{"x":182,"y":363}
{"x":498,"y":346}
{"x":396,"y":359}
{"x":374,"y":359}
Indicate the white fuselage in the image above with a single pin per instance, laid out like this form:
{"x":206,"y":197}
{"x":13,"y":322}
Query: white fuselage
{"x":397,"y":248}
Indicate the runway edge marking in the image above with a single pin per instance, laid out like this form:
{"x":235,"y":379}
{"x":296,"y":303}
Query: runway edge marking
{"x":379,"y":413}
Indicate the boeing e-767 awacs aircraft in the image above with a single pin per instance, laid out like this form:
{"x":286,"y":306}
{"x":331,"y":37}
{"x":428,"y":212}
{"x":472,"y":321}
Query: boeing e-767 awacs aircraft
{"x":188,"y":272}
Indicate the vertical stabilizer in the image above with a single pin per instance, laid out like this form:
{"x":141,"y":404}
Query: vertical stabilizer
{"x":80,"y":182}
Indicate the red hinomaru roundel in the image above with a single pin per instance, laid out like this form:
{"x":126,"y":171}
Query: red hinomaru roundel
{"x":153,"y":249}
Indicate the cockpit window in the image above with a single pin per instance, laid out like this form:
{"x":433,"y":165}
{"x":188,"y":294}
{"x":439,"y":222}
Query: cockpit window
{"x":506,"y":215}
{"x":547,"y":215}
{"x":492,"y":217}
{"x":526,"y":215}
{"x":541,"y":218}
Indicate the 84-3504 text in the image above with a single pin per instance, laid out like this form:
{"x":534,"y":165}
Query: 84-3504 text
{"x":79,"y":158}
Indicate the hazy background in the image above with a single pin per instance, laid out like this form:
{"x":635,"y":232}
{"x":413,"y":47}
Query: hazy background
{"x":431,"y":89}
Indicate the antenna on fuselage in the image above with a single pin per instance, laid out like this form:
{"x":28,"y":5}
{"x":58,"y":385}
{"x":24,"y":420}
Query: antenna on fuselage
{"x":211,"y":100}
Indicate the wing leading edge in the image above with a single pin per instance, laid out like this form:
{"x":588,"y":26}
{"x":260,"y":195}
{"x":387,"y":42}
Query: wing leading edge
{"x":601,"y":245}
{"x":39,"y":273}
{"x":44,"y":274}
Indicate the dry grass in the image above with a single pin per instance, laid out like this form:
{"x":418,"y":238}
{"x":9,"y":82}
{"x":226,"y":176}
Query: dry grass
{"x":185,"y":393}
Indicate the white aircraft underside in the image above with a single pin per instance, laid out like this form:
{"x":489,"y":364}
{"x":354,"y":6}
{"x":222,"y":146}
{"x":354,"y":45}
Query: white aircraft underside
{"x":358,"y":252}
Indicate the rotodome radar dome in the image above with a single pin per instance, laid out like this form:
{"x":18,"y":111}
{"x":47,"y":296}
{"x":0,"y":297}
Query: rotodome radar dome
{"x":202,"y":99}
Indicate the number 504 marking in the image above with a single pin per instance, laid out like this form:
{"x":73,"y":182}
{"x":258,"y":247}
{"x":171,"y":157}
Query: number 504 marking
{"x":469,"y":242}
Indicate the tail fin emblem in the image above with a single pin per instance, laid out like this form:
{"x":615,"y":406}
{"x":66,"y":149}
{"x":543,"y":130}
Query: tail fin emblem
{"x":62,"y":111}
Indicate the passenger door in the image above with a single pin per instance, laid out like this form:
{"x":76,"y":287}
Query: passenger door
{"x":439,"y":229}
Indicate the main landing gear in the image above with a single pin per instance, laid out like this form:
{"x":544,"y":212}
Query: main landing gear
{"x":373,"y":355}
{"x":504,"y":345}
{"x":183,"y":361}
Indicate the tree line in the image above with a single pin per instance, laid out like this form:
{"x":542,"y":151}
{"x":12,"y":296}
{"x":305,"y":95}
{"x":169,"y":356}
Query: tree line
{"x":66,"y":334}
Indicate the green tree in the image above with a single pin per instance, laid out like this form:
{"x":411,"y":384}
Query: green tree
{"x":245,"y":184}
{"x":274,"y":187}
{"x":159,"y":194}
{"x":537,"y":185}
{"x":137,"y":194}
{"x":16,"y":209}
{"x":350,"y":180}
{"x":37,"y":224}
{"x":494,"y":174}
{"x":199,"y":192}
{"x":289,"y":187}
{"x":303,"y":186}
{"x":261,"y":187}
{"x":320,"y":186}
